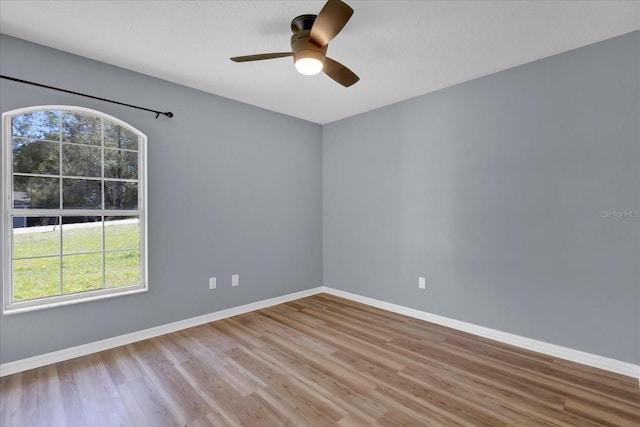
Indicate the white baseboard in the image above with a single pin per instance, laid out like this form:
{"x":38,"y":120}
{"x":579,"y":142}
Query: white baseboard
{"x":593,"y":360}
{"x":109,"y":343}
{"x":577,"y":356}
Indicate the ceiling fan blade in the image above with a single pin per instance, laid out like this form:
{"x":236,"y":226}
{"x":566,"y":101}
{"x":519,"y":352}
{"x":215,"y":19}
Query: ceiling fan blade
{"x":339,"y":72}
{"x":261,"y":56}
{"x":331,"y":19}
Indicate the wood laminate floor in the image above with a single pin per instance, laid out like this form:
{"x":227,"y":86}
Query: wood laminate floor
{"x":321,"y":361}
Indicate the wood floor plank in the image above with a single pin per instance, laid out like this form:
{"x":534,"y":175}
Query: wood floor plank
{"x":220,"y":396}
{"x":318,"y":361}
{"x":150,"y":406}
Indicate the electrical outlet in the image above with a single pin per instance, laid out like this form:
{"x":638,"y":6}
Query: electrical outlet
{"x":422,"y":282}
{"x":235,"y":280}
{"x":212,"y":282}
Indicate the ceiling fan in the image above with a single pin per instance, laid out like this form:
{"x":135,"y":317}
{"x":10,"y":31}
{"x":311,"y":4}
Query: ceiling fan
{"x":309,"y":42}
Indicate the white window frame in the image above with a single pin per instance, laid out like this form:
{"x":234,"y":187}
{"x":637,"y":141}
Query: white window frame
{"x":8,"y":211}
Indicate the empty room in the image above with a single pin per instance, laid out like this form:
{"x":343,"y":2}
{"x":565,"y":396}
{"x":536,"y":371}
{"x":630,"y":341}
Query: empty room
{"x":320,"y":213}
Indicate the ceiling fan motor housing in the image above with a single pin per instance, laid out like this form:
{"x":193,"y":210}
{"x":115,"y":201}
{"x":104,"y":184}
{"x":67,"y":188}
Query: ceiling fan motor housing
{"x":301,"y":44}
{"x":303,"y":47}
{"x":302,"y":22}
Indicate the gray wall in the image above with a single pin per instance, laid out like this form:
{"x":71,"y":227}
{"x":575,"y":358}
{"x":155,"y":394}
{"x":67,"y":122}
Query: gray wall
{"x":495,"y":190}
{"x":232,"y":189}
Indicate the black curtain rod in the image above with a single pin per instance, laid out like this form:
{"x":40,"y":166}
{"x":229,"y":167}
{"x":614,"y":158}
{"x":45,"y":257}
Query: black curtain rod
{"x":168,"y":113}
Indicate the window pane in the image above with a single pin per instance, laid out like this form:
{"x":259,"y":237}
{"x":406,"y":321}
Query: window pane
{"x":81,"y":234}
{"x":81,"y":194}
{"x":36,"y":236}
{"x":36,"y":192}
{"x":80,"y":128}
{"x":37,"y":157}
{"x":120,"y":164}
{"x":81,"y":160}
{"x":122,"y":268}
{"x":81,"y":273}
{"x":121,"y":232}
{"x":37,"y":125}
{"x":21,"y":200}
{"x":119,"y":137}
{"x":120,"y":195}
{"x":36,"y":278}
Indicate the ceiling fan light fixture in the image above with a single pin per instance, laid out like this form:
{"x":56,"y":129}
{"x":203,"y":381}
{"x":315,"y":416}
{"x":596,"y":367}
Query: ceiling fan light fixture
{"x":309,"y":62}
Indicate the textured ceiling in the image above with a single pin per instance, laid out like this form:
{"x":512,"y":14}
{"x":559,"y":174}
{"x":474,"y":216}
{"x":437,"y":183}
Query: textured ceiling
{"x":400,"y":49}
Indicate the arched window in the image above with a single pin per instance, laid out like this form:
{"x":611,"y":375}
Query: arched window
{"x":74,"y":207}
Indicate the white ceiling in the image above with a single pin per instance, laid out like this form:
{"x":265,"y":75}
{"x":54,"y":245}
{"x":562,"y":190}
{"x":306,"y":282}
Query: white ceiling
{"x":400,"y":49}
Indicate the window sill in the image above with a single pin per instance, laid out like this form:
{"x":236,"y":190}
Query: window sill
{"x":24,"y":307}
